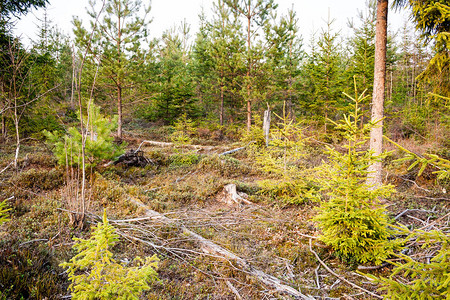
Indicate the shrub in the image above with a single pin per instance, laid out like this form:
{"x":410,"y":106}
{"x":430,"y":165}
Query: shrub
{"x":353,"y":222}
{"x":96,"y":275}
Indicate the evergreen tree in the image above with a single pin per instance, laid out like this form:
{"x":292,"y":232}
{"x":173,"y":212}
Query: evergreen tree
{"x":362,"y":48}
{"x":353,"y":221}
{"x":116,"y":46}
{"x":256,"y":13}
{"x":99,"y":142}
{"x":325,"y":76}
{"x":284,"y":57}
{"x":95,"y":274}
{"x":218,"y":59}
{"x":175,"y":89}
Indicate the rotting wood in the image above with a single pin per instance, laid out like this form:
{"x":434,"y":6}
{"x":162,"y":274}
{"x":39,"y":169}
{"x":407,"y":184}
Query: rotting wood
{"x":166,"y":144}
{"x":209,"y":247}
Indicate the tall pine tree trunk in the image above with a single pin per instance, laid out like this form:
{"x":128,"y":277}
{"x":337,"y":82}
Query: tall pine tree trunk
{"x":119,"y":111}
{"x":376,"y":134}
{"x":249,"y":71}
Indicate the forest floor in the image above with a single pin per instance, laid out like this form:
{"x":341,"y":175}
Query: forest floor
{"x":186,"y":187}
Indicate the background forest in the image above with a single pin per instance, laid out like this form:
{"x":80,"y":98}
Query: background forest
{"x":175,"y":104}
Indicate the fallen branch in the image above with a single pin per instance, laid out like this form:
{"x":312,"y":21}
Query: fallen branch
{"x":365,"y":268}
{"x":165,"y":144}
{"x":435,"y":222}
{"x":6,"y":168}
{"x":235,"y":150}
{"x":209,"y":247}
{"x":411,"y":210}
{"x":339,"y":276}
{"x":33,"y":241}
{"x":234,"y":290}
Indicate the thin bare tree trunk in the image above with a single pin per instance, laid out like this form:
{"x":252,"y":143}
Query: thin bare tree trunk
{"x":221,"y":102}
{"x":119,"y":82}
{"x":376,"y":134}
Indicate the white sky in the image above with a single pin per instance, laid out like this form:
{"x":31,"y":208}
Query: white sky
{"x":167,"y":13}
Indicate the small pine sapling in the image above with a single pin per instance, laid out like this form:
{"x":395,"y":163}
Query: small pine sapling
{"x":282,"y":160}
{"x":96,"y":275}
{"x":353,"y":221}
{"x":99,"y":140}
{"x":184,"y":128}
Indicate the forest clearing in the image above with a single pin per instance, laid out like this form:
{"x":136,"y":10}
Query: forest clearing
{"x":238,"y":164}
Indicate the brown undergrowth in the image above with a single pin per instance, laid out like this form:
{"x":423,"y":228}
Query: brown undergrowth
{"x":183,"y":185}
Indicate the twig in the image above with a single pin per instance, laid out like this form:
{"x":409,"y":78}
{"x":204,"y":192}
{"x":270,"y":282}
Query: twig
{"x":233,"y":289}
{"x":431,"y":198}
{"x":316,"y":271}
{"x":6,"y":168}
{"x":308,"y":236}
{"x":385,"y":264}
{"x":435,"y":222}
{"x":339,"y":276}
{"x":335,"y":283}
{"x":411,"y":210}
{"x":415,"y":184}
{"x":32,"y":241}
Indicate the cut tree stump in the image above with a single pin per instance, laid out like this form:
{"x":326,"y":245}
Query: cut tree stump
{"x":208,"y":247}
{"x":231,"y":196}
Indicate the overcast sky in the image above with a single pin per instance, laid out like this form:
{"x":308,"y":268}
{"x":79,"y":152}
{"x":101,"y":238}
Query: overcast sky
{"x":167,"y":13}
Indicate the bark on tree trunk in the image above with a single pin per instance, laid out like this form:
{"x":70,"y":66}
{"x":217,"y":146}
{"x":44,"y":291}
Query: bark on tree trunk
{"x":221,"y":104}
{"x":119,"y":112}
{"x":376,"y":134}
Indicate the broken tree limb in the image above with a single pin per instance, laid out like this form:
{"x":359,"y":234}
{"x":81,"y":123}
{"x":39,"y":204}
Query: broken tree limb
{"x":165,"y":144}
{"x":235,"y":150}
{"x":132,"y":158}
{"x":209,"y":247}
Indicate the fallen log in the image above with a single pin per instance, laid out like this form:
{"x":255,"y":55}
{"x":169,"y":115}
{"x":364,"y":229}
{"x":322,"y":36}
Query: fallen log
{"x":235,"y":150}
{"x":209,"y":247}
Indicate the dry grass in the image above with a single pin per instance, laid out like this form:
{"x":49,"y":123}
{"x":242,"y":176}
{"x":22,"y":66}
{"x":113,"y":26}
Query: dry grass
{"x":272,"y":237}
